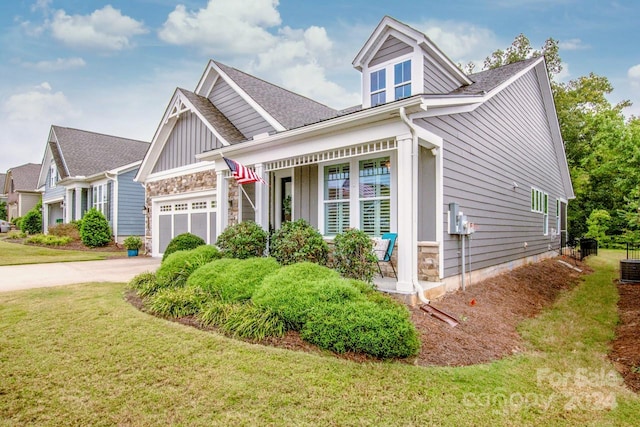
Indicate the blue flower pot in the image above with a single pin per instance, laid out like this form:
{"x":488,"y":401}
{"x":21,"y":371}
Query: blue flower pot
{"x":132,"y":252}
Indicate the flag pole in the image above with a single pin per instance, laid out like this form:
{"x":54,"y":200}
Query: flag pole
{"x":247,"y":196}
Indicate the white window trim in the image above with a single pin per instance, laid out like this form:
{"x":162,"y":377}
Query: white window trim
{"x":389,"y":76}
{"x":53,"y":178}
{"x":354,"y":193}
{"x":539,"y":197}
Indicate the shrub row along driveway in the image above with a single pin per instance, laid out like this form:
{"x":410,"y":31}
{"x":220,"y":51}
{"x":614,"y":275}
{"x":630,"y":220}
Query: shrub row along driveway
{"x":16,"y":277}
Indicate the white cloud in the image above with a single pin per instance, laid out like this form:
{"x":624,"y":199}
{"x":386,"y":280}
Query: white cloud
{"x":572,"y":44}
{"x":104,"y":29}
{"x":41,"y":5}
{"x":56,"y":65}
{"x":634,"y":72}
{"x":37,"y":104}
{"x":564,"y":75}
{"x":224,"y":26}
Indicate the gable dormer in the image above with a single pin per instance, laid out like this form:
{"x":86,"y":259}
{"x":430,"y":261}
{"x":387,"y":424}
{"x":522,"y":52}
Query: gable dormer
{"x":398,"y":61}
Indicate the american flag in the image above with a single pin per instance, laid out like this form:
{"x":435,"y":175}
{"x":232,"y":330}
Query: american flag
{"x":241,"y":173}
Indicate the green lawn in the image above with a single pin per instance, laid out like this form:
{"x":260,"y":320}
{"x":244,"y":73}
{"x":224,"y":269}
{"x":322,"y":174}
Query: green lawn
{"x":15,"y":253}
{"x":80,"y":355}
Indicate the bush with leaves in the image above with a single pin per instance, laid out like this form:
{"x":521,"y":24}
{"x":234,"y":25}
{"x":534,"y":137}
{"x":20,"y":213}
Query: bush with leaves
{"x":70,"y":230}
{"x":353,"y":255}
{"x":48,"y":240}
{"x":3,"y":210}
{"x":293,"y":291}
{"x":182,"y":242}
{"x":243,"y":240}
{"x":177,"y":302}
{"x":362,"y":327}
{"x":298,"y":241}
{"x":31,"y":223}
{"x":232,"y":280}
{"x":176,"y":269}
{"x":95,"y":230}
{"x":144,"y":283}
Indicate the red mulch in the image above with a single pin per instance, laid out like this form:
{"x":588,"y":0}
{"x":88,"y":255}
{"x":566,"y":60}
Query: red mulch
{"x":625,"y":348}
{"x":488,"y":312}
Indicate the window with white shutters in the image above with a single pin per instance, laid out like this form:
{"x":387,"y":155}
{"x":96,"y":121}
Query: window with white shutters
{"x":375,"y":196}
{"x":336,"y":198}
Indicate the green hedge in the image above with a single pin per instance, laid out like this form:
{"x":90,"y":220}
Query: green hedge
{"x":296,"y":242}
{"x":243,"y":240}
{"x":353,"y":255}
{"x":182,"y":242}
{"x":362,"y":327}
{"x":176,"y":269}
{"x":233,"y":279}
{"x":94,"y":229}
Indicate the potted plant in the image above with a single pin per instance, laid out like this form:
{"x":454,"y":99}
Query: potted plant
{"x":132,"y":243}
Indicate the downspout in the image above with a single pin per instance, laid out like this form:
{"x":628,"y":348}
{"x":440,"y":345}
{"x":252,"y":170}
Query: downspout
{"x":414,"y":196}
{"x":114,"y":202}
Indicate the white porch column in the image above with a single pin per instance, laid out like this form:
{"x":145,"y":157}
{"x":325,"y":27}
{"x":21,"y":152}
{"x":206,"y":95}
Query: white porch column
{"x":222,"y":203}
{"x":68,"y":205}
{"x":45,"y":218}
{"x":262,"y":199}
{"x":78,"y":198}
{"x":407,"y":214}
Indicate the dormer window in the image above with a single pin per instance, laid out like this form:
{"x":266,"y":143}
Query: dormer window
{"x":378,"y":87}
{"x":392,"y":82}
{"x":402,"y":79}
{"x":53,"y":175}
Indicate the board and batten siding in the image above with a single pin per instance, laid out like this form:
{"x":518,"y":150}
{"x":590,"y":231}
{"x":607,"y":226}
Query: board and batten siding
{"x":190,"y":136}
{"x":305,"y":194}
{"x":238,"y":111}
{"x":436,"y":80}
{"x":391,"y":48}
{"x":130,"y":204}
{"x":505,"y":141}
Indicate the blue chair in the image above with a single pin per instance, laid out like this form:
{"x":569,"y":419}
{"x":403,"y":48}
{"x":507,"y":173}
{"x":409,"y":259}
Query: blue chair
{"x":387,"y":254}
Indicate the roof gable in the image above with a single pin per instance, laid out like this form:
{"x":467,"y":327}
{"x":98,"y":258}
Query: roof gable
{"x":24,"y":178}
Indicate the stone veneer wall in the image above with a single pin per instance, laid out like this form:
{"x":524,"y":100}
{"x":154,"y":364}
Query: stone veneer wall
{"x":198,"y":181}
{"x":234,"y":202}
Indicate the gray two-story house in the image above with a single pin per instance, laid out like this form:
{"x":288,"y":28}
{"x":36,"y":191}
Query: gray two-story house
{"x":452,"y":163}
{"x":83,"y":170}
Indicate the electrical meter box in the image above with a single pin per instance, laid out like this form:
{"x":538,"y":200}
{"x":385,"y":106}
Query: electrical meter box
{"x":458,"y":223}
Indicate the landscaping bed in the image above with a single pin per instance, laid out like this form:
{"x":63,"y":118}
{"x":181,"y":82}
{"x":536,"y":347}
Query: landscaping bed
{"x":489,"y":313}
{"x":625,"y":349}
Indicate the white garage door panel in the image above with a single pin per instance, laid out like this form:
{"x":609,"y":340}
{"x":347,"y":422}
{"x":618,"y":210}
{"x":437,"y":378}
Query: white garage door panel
{"x":173,"y":217}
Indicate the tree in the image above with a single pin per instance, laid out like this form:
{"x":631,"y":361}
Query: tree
{"x":3,"y":210}
{"x":521,"y":49}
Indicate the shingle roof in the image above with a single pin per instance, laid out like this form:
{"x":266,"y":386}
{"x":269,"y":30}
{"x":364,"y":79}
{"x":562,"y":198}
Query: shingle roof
{"x":25,"y":177}
{"x":223,"y":126}
{"x":288,"y":108}
{"x":486,"y":81}
{"x":88,"y":153}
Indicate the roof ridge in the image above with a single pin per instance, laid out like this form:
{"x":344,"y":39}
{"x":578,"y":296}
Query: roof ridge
{"x":99,"y":133}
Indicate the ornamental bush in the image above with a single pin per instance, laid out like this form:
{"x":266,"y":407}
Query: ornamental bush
{"x":144,"y":283}
{"x":353,"y":255}
{"x":95,"y":230}
{"x":48,"y":240}
{"x":177,"y":302}
{"x":363,"y":327}
{"x":176,"y":269}
{"x":71,"y":230}
{"x":243,"y":240}
{"x":31,"y":223}
{"x":182,"y":242}
{"x":298,"y":241}
{"x":232,"y":280}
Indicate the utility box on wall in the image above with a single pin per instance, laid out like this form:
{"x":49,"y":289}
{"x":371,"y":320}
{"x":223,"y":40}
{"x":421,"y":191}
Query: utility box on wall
{"x":458,"y":223}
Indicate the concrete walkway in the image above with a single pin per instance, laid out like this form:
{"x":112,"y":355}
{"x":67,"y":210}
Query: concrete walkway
{"x":17,"y":277}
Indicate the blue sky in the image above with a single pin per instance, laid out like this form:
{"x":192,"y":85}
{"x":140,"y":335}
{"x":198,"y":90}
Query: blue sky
{"x":112,"y":66}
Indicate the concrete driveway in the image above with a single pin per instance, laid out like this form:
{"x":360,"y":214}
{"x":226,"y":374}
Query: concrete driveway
{"x":16,"y":277}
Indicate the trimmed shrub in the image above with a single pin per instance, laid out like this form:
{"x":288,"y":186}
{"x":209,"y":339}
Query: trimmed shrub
{"x":95,"y":230}
{"x":144,"y":283}
{"x":249,"y":321}
{"x":176,"y":269}
{"x":232,"y":280}
{"x":31,"y":223}
{"x":298,"y":241}
{"x":41,"y":239}
{"x":182,"y":242}
{"x":353,"y":255}
{"x":61,"y":230}
{"x":3,"y":210}
{"x":215,"y":313}
{"x":17,"y":221}
{"x":293,"y":291}
{"x":362,"y":327}
{"x":243,"y":240}
{"x":177,"y":302}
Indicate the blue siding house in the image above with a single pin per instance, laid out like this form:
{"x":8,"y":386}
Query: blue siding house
{"x":83,"y":170}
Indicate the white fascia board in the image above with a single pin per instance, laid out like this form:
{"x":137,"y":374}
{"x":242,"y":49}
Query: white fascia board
{"x":195,"y":111}
{"x":252,"y":103}
{"x":327,"y":127}
{"x":44,"y":165}
{"x":201,"y":166}
{"x":125,"y":168}
{"x":205,"y":76}
{"x":52,"y":135}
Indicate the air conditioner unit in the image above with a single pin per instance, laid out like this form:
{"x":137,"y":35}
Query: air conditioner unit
{"x":630,"y":271}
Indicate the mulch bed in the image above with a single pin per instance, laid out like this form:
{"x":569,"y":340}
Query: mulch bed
{"x":488,"y":312}
{"x":625,"y":348}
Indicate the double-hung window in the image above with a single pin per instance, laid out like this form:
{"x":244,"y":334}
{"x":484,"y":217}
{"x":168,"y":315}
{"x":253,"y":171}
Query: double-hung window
{"x":378,"y":87}
{"x":375,"y":196}
{"x":402,"y":79}
{"x":540,"y":204}
{"x":53,"y":175}
{"x":101,"y":199}
{"x":336,"y":198}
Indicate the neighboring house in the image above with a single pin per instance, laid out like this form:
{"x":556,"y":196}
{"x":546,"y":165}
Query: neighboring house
{"x":3,"y":195}
{"x":426,"y":136}
{"x":83,"y":170}
{"x":21,"y":188}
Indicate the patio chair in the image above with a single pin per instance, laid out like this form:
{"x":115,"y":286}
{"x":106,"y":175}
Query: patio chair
{"x":384,"y":249}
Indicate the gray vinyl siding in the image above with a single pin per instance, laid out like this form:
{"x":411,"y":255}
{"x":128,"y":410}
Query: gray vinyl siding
{"x":504,"y":141}
{"x":305,"y":194}
{"x":427,"y":196}
{"x":391,"y":48}
{"x":238,"y":111}
{"x":51,"y":193}
{"x":436,"y":80}
{"x":130,"y":204}
{"x":190,"y":136}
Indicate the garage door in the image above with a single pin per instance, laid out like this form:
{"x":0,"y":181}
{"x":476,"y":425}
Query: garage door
{"x":196,"y":216}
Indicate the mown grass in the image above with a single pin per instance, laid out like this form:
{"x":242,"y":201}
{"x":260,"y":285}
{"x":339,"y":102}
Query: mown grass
{"x":16,"y":254}
{"x":80,"y":355}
